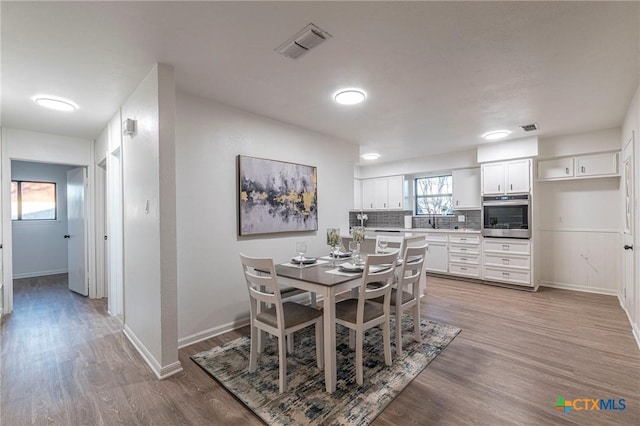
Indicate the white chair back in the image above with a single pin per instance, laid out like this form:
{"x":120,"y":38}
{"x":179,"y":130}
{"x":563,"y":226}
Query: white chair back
{"x":395,"y":242}
{"x":260,"y":276}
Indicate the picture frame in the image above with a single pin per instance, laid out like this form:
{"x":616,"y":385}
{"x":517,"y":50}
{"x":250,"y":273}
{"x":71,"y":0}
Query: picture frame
{"x":276,"y":196}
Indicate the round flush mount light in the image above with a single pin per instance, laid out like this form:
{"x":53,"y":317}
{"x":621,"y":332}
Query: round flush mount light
{"x":370,"y":156}
{"x":52,"y":102}
{"x":496,"y":134}
{"x":349,"y":96}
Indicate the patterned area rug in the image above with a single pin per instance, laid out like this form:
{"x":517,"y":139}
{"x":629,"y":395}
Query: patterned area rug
{"x":305,"y":400}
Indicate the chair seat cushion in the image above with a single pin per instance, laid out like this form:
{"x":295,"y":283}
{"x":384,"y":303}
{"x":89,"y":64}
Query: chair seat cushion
{"x":406,"y":297}
{"x":346,"y":310}
{"x":294,"y":314}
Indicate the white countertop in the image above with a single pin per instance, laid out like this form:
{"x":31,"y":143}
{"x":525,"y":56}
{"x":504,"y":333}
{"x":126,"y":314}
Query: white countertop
{"x":421,"y":230}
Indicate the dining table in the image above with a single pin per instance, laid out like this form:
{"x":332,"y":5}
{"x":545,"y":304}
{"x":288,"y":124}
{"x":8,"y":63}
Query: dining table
{"x":328,"y":281}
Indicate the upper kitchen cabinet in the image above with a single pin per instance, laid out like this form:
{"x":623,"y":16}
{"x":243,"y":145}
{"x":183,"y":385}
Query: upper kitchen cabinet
{"x":579,"y":167}
{"x":383,"y":193}
{"x":508,"y":177}
{"x":466,"y":189}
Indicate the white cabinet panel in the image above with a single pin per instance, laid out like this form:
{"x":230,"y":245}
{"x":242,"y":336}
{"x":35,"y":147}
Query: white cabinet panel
{"x":395,"y":191}
{"x":507,"y":261}
{"x":381,"y":193}
{"x":471,"y":271}
{"x":368,"y":194}
{"x":357,"y":194}
{"x":597,"y":164}
{"x":510,"y":276}
{"x":437,"y":256}
{"x":559,"y":168}
{"x":466,"y":189}
{"x":508,"y":177}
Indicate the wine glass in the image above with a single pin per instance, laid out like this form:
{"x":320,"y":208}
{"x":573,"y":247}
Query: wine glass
{"x":301,"y":249}
{"x":354,"y":248}
{"x":383,"y":243}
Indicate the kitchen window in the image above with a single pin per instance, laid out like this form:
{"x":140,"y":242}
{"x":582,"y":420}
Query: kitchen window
{"x":33,"y":200}
{"x":433,"y":195}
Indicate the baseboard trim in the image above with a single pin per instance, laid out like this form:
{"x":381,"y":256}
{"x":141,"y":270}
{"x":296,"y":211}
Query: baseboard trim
{"x":634,"y":328}
{"x":584,"y":289}
{"x":160,"y":371}
{"x":212,"y":332}
{"x":39,"y":274}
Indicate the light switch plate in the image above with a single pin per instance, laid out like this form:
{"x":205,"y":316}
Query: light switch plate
{"x":460,"y":218}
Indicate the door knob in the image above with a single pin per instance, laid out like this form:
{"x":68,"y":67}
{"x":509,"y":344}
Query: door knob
{"x":67,"y":236}
{"x":628,"y":247}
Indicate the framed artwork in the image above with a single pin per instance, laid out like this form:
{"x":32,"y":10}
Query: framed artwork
{"x":276,"y":196}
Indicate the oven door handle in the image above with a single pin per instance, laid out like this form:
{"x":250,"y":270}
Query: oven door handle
{"x":505,"y":203}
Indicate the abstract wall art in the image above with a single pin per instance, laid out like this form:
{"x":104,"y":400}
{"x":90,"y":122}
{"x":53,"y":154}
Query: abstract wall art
{"x":276,"y":196}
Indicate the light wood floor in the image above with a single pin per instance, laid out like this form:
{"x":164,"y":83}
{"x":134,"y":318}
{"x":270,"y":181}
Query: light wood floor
{"x":65,"y":362}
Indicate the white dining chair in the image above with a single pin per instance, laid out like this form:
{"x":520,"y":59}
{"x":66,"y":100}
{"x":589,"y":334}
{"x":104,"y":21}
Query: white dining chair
{"x":394,"y":242}
{"x":405,"y":294}
{"x":279,"y":319}
{"x":360,"y":314}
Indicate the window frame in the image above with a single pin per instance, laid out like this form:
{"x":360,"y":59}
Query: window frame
{"x":19,"y":202}
{"x":416,"y":196}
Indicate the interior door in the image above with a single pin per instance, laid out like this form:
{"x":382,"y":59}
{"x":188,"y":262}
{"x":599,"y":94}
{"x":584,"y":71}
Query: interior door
{"x":629,"y":258}
{"x":76,"y":235}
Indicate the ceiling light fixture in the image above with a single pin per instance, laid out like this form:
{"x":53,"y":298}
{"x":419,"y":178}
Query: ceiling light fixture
{"x":370,"y":156}
{"x":349,"y":96}
{"x":496,"y":134}
{"x":59,"y":104}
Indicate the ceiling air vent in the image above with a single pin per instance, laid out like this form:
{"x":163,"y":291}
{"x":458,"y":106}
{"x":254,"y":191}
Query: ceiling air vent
{"x":529,"y":127}
{"x":305,"y":40}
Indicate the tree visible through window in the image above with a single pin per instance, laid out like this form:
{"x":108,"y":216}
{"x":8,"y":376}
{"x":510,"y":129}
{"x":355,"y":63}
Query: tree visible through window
{"x":434,"y":194}
{"x":33,"y":200}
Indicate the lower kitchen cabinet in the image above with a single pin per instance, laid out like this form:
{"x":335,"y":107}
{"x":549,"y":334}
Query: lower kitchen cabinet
{"x":464,"y":255}
{"x":507,"y":261}
{"x":437,"y":258}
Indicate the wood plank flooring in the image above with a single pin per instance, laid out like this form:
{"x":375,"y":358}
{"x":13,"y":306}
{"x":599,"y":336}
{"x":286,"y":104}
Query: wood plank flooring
{"x":66,"y":362}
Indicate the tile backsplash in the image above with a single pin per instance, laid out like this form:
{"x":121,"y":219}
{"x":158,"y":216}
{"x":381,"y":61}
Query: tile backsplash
{"x":395,"y":219}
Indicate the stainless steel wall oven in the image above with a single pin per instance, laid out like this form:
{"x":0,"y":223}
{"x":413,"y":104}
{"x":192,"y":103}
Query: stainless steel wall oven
{"x":506,"y":216}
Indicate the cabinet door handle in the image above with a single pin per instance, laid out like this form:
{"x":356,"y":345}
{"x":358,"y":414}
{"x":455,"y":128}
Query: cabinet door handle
{"x":582,"y":169}
{"x":384,"y":205}
{"x":505,"y":274}
{"x":498,"y":187}
{"x":511,"y":187}
{"x":505,"y":261}
{"x":628,"y":247}
{"x":462,"y":268}
{"x":457,"y":202}
{"x":399,"y":205}
{"x":505,"y":246}
{"x":566,"y":170}
{"x":464,"y":259}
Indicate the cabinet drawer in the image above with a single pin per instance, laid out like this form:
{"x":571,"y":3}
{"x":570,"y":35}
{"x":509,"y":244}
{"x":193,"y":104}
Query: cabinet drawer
{"x":436,"y":238}
{"x":463,"y":249}
{"x":466,"y":270}
{"x":511,"y":276}
{"x":470,"y":259}
{"x":464,"y":239}
{"x":507,"y":246}
{"x":522,"y":262}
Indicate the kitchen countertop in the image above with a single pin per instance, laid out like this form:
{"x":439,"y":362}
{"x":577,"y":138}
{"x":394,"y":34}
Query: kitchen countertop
{"x":372,"y":230}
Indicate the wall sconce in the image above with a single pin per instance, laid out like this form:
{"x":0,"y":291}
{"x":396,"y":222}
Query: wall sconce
{"x":129,"y":126}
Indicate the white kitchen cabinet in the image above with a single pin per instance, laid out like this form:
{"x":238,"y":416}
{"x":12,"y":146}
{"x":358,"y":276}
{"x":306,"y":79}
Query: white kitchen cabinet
{"x":558,"y":168}
{"x":368,"y":194}
{"x":381,"y":197}
{"x":357,"y":194}
{"x":383,"y":193}
{"x":605,"y":164}
{"x":395,"y":192}
{"x":466,"y":189}
{"x":510,"y":177}
{"x":507,"y":261}
{"x":464,"y":255}
{"x":437,"y":258}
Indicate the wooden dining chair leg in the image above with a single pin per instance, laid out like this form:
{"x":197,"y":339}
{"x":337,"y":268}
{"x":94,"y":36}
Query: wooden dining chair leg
{"x":359,"y":367}
{"x":352,"y":338}
{"x":416,"y":323}
{"x":386,"y":337}
{"x":282,"y":352}
{"x":253,"y":351}
{"x":399,"y":331}
{"x":313,"y":298}
{"x":290,"y":343}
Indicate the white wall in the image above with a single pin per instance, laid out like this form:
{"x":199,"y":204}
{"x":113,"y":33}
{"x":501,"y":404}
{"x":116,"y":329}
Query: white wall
{"x":39,"y":246}
{"x":631,"y":129}
{"x":212,"y":295}
{"x":418,"y":166}
{"x":26,"y":145}
{"x":150,"y":317}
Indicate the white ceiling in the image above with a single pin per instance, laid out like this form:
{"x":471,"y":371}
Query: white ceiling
{"x":437,"y":74}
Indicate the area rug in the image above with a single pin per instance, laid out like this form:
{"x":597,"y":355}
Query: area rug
{"x":305,"y":402}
